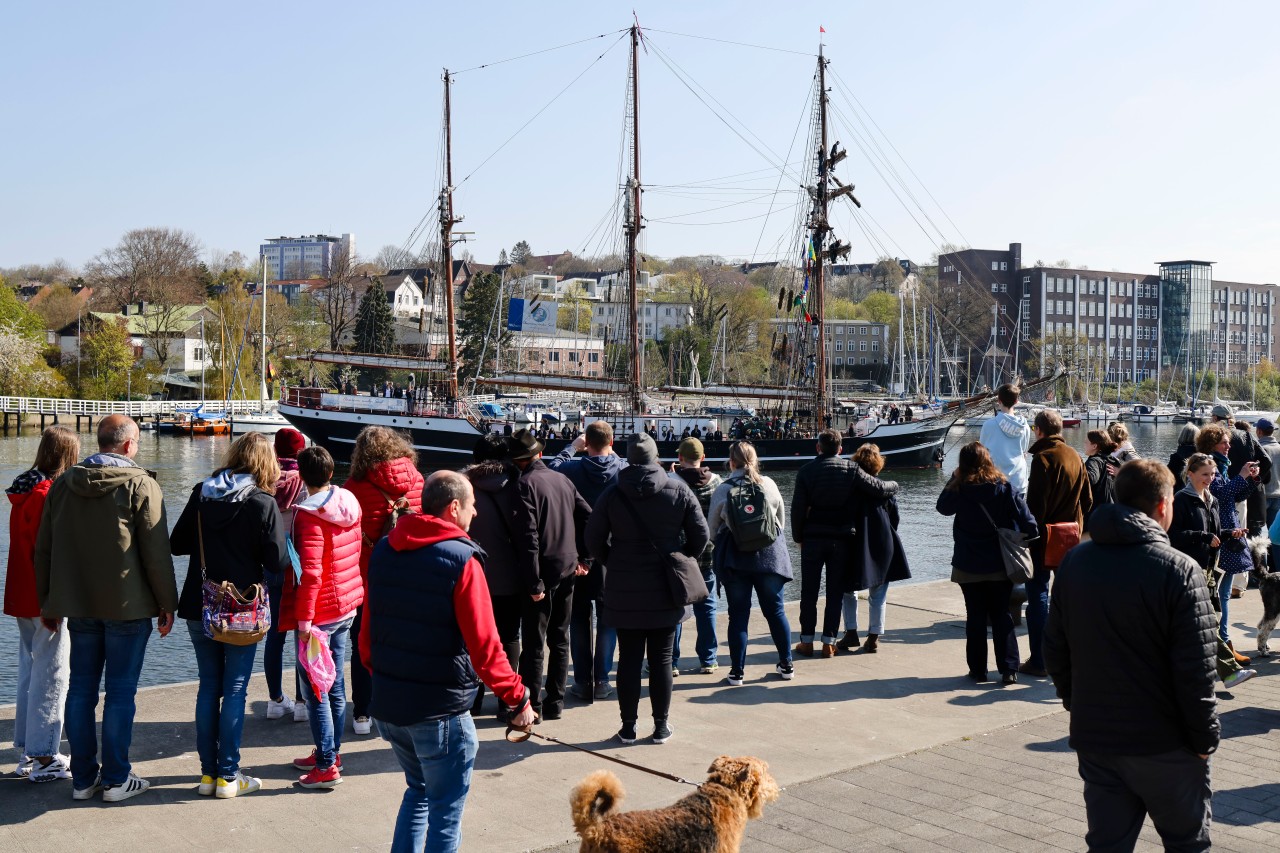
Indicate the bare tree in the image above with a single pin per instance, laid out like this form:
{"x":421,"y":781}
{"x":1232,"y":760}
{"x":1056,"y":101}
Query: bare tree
{"x":337,"y":296}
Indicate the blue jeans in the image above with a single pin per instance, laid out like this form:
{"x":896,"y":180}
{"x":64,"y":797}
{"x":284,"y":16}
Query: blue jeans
{"x":877,"y":598}
{"x":328,"y":713}
{"x":584,"y":616}
{"x":706,"y":646}
{"x":437,"y":757}
{"x":118,"y":647}
{"x":768,"y":589}
{"x":224,"y":683}
{"x":1224,"y":601}
{"x":1037,"y":615}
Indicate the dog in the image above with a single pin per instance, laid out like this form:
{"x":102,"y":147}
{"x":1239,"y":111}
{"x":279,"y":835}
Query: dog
{"x":710,"y":820}
{"x":1268,"y":590}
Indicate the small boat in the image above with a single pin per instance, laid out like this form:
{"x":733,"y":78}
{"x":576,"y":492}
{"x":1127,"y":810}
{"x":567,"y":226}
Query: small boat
{"x":1141,"y":413}
{"x":203,"y":426}
{"x":268,"y":422}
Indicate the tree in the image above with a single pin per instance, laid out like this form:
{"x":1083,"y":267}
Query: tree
{"x":887,"y":275}
{"x":392,"y":257}
{"x":337,"y":296}
{"x":375,"y":330}
{"x":106,"y":360}
{"x":520,"y":253}
{"x":502,"y":257}
{"x":56,"y":305}
{"x":482,"y":327}
{"x":14,"y":313}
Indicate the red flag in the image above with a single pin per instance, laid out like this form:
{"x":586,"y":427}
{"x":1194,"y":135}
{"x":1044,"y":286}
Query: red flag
{"x":822,"y":29}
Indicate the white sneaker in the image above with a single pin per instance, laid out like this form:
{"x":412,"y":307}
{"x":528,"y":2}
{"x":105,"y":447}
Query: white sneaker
{"x":25,"y":763}
{"x":87,"y":793}
{"x":237,"y":787}
{"x":362,"y":725}
{"x":207,"y":786}
{"x":1237,"y":678}
{"x":276,"y":710}
{"x":59,"y":767}
{"x":300,"y":712}
{"x":131,"y":787}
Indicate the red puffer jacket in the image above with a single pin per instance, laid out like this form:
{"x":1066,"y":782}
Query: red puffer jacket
{"x":397,"y":478}
{"x":27,"y":499}
{"x":326,"y":532}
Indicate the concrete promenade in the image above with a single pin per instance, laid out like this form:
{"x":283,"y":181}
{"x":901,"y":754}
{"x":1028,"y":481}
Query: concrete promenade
{"x":893,"y":751}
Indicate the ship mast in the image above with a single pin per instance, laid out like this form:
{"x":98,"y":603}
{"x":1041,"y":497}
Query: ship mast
{"x":447,"y":221}
{"x":632,"y":227}
{"x":820,"y":228}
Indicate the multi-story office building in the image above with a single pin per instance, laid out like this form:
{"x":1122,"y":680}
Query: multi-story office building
{"x":304,"y":257}
{"x":1135,"y":324}
{"x":856,"y":349}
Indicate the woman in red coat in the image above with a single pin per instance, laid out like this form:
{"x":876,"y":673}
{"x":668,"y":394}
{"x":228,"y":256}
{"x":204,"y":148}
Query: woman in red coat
{"x":44,"y":648}
{"x":384,"y":476}
{"x":326,"y":532}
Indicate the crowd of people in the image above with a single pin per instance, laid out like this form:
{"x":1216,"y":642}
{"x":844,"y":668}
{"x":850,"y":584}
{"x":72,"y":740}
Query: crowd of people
{"x":529,"y":576}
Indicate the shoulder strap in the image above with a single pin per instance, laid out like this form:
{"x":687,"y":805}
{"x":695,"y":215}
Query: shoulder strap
{"x":988,"y":515}
{"x":200,"y":540}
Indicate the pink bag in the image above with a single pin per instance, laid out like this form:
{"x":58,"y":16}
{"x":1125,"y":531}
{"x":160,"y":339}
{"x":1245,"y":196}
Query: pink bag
{"x":317,"y":661}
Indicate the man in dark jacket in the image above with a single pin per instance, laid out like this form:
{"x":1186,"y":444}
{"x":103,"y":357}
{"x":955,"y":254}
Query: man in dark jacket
{"x":1057,"y":491}
{"x":551,"y":518}
{"x":821,"y":522}
{"x":1130,"y":644}
{"x":429,"y":630}
{"x":590,"y":475}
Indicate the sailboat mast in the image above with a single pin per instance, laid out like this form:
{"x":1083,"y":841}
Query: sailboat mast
{"x":447,"y":222}
{"x":633,"y":227}
{"x":262,"y":346}
{"x":820,"y":229}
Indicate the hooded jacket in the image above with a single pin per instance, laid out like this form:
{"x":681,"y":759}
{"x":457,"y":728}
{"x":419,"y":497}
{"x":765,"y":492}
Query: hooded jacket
{"x":1101,"y":484}
{"x":102,"y":551}
{"x":26,"y":502}
{"x":703,"y":483}
{"x":398,"y":478}
{"x":496,"y":502}
{"x":242,"y":532}
{"x":1195,"y":523}
{"x":826,"y":490}
{"x":551,"y":519}
{"x":1007,"y":438}
{"x":1057,"y":490}
{"x":1131,"y":641}
{"x":326,"y":532}
{"x":663,"y":518}
{"x":289,"y":490}
{"x":428,"y":626}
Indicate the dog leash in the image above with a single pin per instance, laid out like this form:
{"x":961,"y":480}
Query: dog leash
{"x":522,"y":735}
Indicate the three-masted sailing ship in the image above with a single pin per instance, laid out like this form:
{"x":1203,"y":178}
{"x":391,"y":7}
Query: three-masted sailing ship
{"x":445,"y":427}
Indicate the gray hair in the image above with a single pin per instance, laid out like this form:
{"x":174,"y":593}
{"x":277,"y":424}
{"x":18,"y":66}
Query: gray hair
{"x":443,"y":488}
{"x":1188,"y":434}
{"x":115,"y":430}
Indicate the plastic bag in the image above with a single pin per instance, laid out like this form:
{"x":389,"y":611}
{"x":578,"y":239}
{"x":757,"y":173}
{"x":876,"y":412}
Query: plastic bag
{"x":317,"y":661}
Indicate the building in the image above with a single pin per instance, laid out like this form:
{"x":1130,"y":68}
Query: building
{"x":562,"y":354}
{"x":1130,"y":325}
{"x":856,"y":349}
{"x":146,"y":326}
{"x":304,"y":257}
{"x":656,"y":319}
{"x":404,"y":295}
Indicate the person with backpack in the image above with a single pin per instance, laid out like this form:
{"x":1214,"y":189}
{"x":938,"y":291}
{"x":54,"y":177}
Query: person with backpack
{"x":231,"y":527}
{"x":385,"y":480}
{"x":690,"y":470}
{"x":1098,"y":447}
{"x":877,"y":556}
{"x":746,"y":521}
{"x":326,"y":531}
{"x":289,"y":491}
{"x":1186,"y":449}
{"x":637,"y":522}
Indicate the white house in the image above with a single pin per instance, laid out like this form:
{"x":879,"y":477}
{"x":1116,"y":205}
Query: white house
{"x":404,"y":294}
{"x":655,"y":319}
{"x":181,"y":331}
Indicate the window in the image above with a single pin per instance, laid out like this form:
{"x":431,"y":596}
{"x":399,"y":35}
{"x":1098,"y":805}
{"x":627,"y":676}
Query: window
{"x":1004,"y":309}
{"x":573,"y":356}
{"x":1004,"y":288}
{"x":994,"y":287}
{"x":839,"y":330}
{"x":1004,"y":265}
{"x":995,"y":265}
{"x":839,"y":346}
{"x":593,"y":358}
{"x":1026,"y":330}
{"x":862,"y":346}
{"x":875,"y":330}
{"x":839,"y":361}
{"x":862,"y":330}
{"x":875,"y":346}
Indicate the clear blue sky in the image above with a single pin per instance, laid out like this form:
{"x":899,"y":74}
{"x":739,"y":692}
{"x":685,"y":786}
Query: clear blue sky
{"x":1114,"y":134}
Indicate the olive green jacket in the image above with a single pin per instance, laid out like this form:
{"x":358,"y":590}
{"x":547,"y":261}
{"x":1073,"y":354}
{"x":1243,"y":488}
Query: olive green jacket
{"x":102,"y":551}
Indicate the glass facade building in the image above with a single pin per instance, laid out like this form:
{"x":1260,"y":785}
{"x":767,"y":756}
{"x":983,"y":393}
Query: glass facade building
{"x":1186,"y":315}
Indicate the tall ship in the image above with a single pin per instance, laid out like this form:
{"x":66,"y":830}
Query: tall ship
{"x":780,"y":413}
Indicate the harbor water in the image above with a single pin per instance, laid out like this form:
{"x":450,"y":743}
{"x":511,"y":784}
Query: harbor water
{"x":181,"y":462}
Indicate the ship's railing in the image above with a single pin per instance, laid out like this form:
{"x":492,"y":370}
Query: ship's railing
{"x":324,"y":400}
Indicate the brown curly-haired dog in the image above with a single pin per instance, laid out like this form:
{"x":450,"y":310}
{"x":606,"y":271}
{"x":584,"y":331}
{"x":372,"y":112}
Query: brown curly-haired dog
{"x":710,"y":820}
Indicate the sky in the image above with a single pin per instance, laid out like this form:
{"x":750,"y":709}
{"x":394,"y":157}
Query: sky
{"x":1111,"y":134}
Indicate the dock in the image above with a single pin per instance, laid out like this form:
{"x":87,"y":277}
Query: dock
{"x":890,"y":751}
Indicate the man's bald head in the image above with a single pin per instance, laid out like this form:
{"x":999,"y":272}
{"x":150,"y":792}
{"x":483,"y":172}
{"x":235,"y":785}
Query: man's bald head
{"x":448,"y":495}
{"x":114,"y":434}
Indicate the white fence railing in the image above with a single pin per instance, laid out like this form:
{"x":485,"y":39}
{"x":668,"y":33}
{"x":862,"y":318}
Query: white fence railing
{"x":133,"y":408}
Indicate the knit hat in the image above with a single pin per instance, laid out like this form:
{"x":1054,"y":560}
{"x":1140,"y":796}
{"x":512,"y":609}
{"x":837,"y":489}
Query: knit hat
{"x":641,"y":450}
{"x":691,"y":449}
{"x":1222,"y":410}
{"x":289,"y":443}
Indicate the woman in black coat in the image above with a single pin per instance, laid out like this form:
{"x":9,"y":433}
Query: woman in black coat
{"x":1197,"y":528}
{"x":1098,"y":448}
{"x":976,"y":562}
{"x":635,"y":523}
{"x":231,"y":526}
{"x":1186,"y":448}
{"x":876,"y":556}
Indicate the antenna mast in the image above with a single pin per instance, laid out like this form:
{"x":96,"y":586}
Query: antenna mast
{"x":632,"y":226}
{"x":447,"y":221}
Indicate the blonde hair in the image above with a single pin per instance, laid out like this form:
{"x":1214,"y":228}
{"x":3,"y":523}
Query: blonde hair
{"x":1119,"y":432}
{"x":375,"y":445}
{"x":868,"y":458}
{"x":253,"y":454}
{"x":742,"y":454}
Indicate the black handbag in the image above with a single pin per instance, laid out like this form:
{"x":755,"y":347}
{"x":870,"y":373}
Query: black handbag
{"x":1013,"y":550}
{"x":683,"y":573}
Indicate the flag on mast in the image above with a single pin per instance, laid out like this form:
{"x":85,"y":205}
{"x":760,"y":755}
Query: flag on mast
{"x":822,"y":29}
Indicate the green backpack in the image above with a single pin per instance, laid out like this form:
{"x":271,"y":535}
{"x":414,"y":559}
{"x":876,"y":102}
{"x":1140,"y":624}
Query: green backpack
{"x":752,"y":525}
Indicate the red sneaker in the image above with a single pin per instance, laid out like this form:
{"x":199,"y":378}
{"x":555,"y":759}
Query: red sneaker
{"x":329,"y":778}
{"x":309,"y":763}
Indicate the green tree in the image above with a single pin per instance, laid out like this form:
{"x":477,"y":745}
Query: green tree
{"x":375,"y":330}
{"x":520,"y":253}
{"x":15,"y":313}
{"x":482,"y":328}
{"x":106,"y":359}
